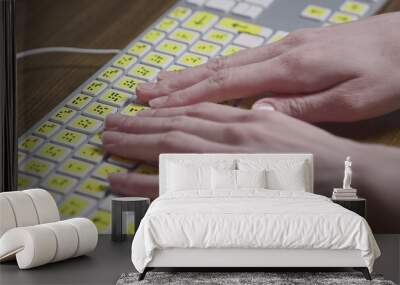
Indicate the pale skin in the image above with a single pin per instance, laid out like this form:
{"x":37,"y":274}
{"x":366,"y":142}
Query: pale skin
{"x":315,"y":79}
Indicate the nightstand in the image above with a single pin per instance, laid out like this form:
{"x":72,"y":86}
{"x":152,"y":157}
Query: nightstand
{"x":358,"y":206}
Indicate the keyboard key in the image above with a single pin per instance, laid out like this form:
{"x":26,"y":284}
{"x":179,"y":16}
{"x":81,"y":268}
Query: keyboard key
{"x":249,"y":41}
{"x":63,"y":115}
{"x":125,"y":61}
{"x":218,"y":37}
{"x":132,"y":109}
{"x":221,"y":5}
{"x":30,"y":143}
{"x":201,"y":21}
{"x":341,"y":18}
{"x":277,"y":36}
{"x":94,"y":88}
{"x":237,"y":26}
{"x":53,"y":152}
{"x":253,"y":12}
{"x":128,"y":84}
{"x":99,"y":110}
{"x":175,"y":67}
{"x":205,"y":48}
{"x":121,"y":161}
{"x":139,"y":49}
{"x":167,"y":25}
{"x":37,"y":167}
{"x":79,"y":101}
{"x":102,"y":221}
{"x":355,"y":7}
{"x":110,"y":74}
{"x":185,"y":36}
{"x":158,"y":59}
{"x":96,"y":139}
{"x":153,"y":37}
{"x":144,"y":72}
{"x":231,"y":49}
{"x":191,"y":59}
{"x":76,"y":205}
{"x":90,"y":152}
{"x":180,"y":13}
{"x":241,"y":8}
{"x":74,"y":167}
{"x":59,"y":183}
{"x":196,"y":2}
{"x":146,"y":169}
{"x":104,"y":169}
{"x":69,"y":138}
{"x":114,"y":97}
{"x":85,"y":124}
{"x":21,"y":156}
{"x":26,"y":181}
{"x":263,"y":3}
{"x":171,"y":47}
{"x":315,"y":12}
{"x":93,"y":187}
{"x":47,"y":129}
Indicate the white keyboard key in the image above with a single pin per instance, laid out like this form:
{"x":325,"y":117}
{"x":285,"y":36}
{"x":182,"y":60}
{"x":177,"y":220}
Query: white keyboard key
{"x":263,"y":3}
{"x":196,"y":2}
{"x":221,"y":5}
{"x":241,"y":8}
{"x":246,"y":10}
{"x":253,"y":12}
{"x":247,"y":40}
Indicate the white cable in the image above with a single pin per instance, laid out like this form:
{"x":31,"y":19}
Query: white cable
{"x":36,"y":51}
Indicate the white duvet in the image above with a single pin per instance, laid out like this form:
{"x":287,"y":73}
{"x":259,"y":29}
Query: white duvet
{"x":250,"y":219}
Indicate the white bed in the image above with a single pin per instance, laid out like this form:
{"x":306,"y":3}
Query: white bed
{"x":249,"y":227}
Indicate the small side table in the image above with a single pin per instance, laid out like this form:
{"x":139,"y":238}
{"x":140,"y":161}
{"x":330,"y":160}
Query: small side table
{"x":358,"y":206}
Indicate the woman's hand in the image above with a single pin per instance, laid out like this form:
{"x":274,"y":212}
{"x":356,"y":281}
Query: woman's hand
{"x":345,"y":72}
{"x":209,"y":128}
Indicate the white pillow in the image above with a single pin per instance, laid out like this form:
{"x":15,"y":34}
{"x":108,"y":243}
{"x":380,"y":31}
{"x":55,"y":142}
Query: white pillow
{"x":223,"y":179}
{"x":183,"y":178}
{"x":251,"y":178}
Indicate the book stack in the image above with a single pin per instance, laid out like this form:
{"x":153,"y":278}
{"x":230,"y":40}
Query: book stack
{"x":344,"y":194}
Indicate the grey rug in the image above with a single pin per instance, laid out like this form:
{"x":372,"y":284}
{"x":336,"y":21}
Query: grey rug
{"x":243,"y":278}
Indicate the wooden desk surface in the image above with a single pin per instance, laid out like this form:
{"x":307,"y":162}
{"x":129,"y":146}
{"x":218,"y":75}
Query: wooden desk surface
{"x":43,"y":81}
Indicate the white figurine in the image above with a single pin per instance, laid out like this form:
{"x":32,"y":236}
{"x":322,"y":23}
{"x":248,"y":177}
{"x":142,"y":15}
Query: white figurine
{"x":347,"y":173}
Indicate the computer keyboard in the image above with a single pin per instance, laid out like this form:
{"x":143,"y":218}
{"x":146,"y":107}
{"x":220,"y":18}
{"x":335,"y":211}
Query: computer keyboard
{"x":62,"y":153}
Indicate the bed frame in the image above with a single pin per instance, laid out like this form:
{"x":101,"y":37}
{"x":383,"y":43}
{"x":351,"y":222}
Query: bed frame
{"x":245,"y":258}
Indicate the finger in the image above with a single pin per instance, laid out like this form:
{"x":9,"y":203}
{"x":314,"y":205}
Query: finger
{"x":208,"y":111}
{"x":175,"y":80}
{"x":149,"y":146}
{"x":134,"y":184}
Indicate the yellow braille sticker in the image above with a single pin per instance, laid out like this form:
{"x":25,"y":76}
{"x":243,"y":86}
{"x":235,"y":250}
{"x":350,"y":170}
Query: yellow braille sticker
{"x":60,"y":183}
{"x":218,"y":37}
{"x":205,"y":48}
{"x":30,"y":143}
{"x":63,"y":115}
{"x":96,"y":139}
{"x":171,"y":47}
{"x":128,"y":84}
{"x":133,"y":109}
{"x":238,"y":26}
{"x":74,"y":206}
{"x":21,"y":156}
{"x":153,"y":37}
{"x":107,"y":168}
{"x":201,"y":21}
{"x":341,"y":18}
{"x":69,"y":138}
{"x":185,"y":36}
{"x":47,"y":129}
{"x":355,"y":7}
{"x":175,"y":67}
{"x":158,"y":59}
{"x":94,"y":88}
{"x":167,"y":25}
{"x":315,"y":12}
{"x":114,"y":97}
{"x":231,"y":49}
{"x":93,"y":187}
{"x":25,"y":181}
{"x":139,"y":48}
{"x":38,"y":167}
{"x":191,"y":59}
{"x":180,"y":13}
{"x":53,"y":152}
{"x":144,"y":72}
{"x":279,"y":35}
{"x":75,"y":167}
{"x":79,"y":101}
{"x":99,"y":110}
{"x":110,"y":74}
{"x":146,"y":169}
{"x":85,"y":124}
{"x":102,"y":221}
{"x":90,"y":152}
{"x":121,"y":161}
{"x":125,"y":61}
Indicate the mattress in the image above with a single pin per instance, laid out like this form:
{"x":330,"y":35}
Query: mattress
{"x":253,"y":219}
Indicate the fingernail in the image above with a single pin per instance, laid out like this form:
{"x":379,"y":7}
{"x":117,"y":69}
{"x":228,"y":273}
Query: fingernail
{"x":158,"y":102}
{"x":264,"y":106}
{"x":146,"y":86}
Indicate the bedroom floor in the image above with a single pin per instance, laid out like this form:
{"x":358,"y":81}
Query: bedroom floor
{"x":389,"y":262}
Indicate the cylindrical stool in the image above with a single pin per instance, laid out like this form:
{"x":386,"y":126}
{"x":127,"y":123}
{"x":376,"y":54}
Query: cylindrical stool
{"x":122,"y":208}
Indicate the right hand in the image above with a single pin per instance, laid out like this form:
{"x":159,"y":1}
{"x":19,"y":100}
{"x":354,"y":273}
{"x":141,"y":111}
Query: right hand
{"x":345,"y":72}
